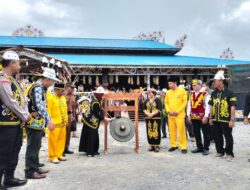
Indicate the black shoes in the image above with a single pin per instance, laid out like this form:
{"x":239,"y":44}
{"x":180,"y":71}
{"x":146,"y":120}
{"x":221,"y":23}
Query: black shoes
{"x":184,"y":151}
{"x":205,"y":152}
{"x":67,"y":151}
{"x":164,"y":136}
{"x":172,"y":149}
{"x":157,"y":149}
{"x":219,"y":155}
{"x":36,"y":175}
{"x":92,"y":155}
{"x":197,"y":150}
{"x":42,"y":171}
{"x":41,"y":165}
{"x":14,"y":182}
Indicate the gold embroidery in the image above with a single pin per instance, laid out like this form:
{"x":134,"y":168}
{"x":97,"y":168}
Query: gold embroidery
{"x":154,"y":107}
{"x":153,"y":130}
{"x":87,"y":123}
{"x":233,"y":99}
{"x":94,"y":121}
{"x":224,"y":108}
{"x":17,"y":96}
{"x":198,"y":102}
{"x":36,"y":122}
{"x":214,"y":107}
{"x":62,"y":109}
{"x":223,"y":105}
{"x":197,"y":116}
{"x":85,"y":107}
{"x":10,"y":122}
{"x":150,"y":106}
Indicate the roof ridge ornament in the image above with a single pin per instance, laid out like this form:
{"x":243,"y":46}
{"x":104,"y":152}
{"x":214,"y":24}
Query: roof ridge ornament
{"x":158,"y":36}
{"x":181,"y":42}
{"x":28,"y":30}
{"x":227,"y":54}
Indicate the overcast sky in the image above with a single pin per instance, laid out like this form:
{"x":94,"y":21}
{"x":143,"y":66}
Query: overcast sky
{"x":211,"y":25}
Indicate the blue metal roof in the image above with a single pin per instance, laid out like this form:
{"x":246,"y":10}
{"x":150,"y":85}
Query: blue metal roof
{"x":145,"y":60}
{"x":59,"y":42}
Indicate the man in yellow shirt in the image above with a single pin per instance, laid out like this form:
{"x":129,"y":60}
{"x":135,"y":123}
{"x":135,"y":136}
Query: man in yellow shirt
{"x":57,"y":108}
{"x":175,"y":104}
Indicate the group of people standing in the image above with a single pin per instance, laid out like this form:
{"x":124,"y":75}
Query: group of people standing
{"x":57,"y":110}
{"x":202,"y":110}
{"x":30,"y":112}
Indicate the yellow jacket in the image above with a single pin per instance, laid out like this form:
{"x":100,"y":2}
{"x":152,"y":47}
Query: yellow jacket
{"x":49,"y":92}
{"x":57,"y":109}
{"x":176,"y":100}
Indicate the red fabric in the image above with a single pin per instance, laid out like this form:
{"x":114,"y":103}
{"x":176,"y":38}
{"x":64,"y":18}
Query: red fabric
{"x":197,"y":105}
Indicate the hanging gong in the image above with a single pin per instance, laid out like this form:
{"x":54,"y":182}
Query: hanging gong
{"x":122,"y":129}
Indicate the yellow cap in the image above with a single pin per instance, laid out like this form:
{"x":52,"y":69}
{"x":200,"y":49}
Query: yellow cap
{"x":196,"y":81}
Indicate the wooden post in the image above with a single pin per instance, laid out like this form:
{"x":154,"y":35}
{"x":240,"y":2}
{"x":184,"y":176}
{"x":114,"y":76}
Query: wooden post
{"x":105,"y":128}
{"x":136,"y":125}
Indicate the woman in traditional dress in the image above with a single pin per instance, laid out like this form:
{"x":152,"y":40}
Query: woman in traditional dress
{"x":92,"y":115}
{"x":152,"y":109}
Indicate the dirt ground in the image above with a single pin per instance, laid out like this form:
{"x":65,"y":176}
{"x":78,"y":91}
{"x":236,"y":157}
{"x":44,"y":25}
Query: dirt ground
{"x":123,"y":169}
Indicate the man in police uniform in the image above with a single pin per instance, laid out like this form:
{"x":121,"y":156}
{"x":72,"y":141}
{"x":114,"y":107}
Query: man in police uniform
{"x":13,"y":109}
{"x":223,"y":106}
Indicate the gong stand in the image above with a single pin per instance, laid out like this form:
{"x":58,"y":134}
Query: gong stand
{"x":132,"y":96}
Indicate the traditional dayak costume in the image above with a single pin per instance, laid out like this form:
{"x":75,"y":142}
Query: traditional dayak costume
{"x":153,"y":124}
{"x":198,"y":108}
{"x":221,"y":102}
{"x":37,"y":104}
{"x":14,"y":111}
{"x":92,"y":115}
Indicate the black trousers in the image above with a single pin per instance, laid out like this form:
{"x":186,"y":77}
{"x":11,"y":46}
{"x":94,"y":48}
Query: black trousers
{"x":221,"y":131}
{"x":34,"y":141}
{"x":163,"y":126}
{"x":73,"y":125}
{"x":211,"y":133}
{"x":198,"y":126}
{"x":189,"y":128}
{"x":10,"y":146}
